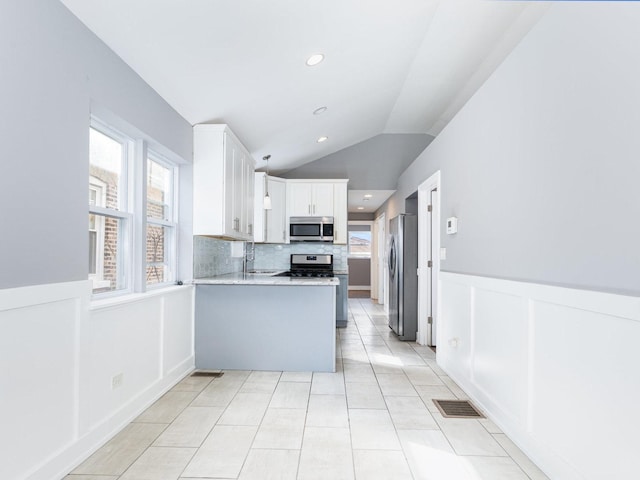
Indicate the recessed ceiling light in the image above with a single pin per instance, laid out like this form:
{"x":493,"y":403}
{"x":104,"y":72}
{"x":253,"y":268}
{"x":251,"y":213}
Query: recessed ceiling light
{"x":320,"y":110}
{"x":322,"y":139}
{"x":315,"y":59}
{"x":368,"y":195}
{"x":360,"y":208}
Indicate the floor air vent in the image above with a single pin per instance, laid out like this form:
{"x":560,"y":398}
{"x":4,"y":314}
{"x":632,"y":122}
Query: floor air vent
{"x":207,"y":374}
{"x":457,"y":409}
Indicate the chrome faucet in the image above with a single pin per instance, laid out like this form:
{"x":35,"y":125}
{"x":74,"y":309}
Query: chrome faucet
{"x":249,"y":255}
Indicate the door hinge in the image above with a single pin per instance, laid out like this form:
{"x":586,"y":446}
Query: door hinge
{"x":430,"y":264}
{"x":430,"y":320}
{"x":429,"y":208}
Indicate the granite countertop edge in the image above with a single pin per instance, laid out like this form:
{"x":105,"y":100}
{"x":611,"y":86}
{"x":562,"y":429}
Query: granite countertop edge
{"x":265,"y":278}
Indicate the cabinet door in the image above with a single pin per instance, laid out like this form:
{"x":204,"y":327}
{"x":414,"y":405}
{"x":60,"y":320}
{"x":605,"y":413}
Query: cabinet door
{"x":322,"y":205}
{"x":229,"y":182}
{"x":276,"y":217}
{"x":299,"y":199}
{"x":340,"y":214}
{"x":238,"y":191}
{"x":247,"y":211}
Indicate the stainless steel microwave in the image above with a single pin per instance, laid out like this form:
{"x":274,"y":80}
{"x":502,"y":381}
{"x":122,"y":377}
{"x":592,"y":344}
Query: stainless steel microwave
{"x":311,"y":229}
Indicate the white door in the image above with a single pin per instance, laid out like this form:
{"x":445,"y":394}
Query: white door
{"x":431,"y":274}
{"x":383,"y":274}
{"x":428,"y":259}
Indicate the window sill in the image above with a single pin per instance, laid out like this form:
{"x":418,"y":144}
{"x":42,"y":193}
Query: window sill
{"x":125,"y":299}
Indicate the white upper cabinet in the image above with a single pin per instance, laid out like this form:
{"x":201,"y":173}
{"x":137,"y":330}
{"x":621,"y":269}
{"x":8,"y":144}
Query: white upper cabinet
{"x":340,"y":213}
{"x":319,"y":198}
{"x":310,"y":199}
{"x":222,"y":184}
{"x":270,"y":225}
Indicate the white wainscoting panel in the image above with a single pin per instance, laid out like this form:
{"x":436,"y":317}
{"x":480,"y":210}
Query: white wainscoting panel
{"x":58,"y":357}
{"x":38,"y":374}
{"x":556,"y":368}
{"x":177,"y":331}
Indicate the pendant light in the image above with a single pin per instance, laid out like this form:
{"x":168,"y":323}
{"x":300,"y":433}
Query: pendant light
{"x":266,"y":201}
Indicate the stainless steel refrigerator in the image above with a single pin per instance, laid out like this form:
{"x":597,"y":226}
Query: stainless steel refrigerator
{"x":403,"y":276}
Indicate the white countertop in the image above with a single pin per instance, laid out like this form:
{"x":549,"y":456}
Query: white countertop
{"x":266,"y":278}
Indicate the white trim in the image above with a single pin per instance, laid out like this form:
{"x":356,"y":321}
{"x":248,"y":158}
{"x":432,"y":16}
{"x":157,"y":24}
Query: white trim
{"x":171,"y":223}
{"x":147,"y":337}
{"x":553,"y":367}
{"x":359,"y":287}
{"x":134,"y":297}
{"x":425,"y":289}
{"x":381,"y":262}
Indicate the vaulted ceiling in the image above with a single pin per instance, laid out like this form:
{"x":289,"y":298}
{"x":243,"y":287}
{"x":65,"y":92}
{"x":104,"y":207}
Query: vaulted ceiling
{"x":401,"y":67}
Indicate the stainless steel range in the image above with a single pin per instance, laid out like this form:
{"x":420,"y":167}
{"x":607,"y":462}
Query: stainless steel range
{"x":315,"y":265}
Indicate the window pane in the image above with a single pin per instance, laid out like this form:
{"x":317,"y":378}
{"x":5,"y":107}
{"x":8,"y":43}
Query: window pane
{"x":105,"y":253}
{"x":360,"y":243}
{"x":158,"y":244}
{"x":106,"y":157}
{"x":159,"y":179}
{"x":93,"y":252}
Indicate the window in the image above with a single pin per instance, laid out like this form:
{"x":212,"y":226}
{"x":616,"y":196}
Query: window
{"x":161,"y":226}
{"x":360,"y":239}
{"x":128,"y":249}
{"x":108,"y":216}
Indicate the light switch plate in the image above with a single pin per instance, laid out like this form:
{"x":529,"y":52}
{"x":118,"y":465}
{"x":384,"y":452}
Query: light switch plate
{"x":443,"y":253}
{"x":452,"y":225}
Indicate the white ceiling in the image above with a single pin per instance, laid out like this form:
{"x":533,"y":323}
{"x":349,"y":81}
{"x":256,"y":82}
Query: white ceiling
{"x":403,"y":66}
{"x":367,"y":201}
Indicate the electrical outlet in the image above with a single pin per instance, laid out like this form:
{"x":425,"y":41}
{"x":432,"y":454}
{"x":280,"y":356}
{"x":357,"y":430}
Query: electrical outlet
{"x":116,"y":381}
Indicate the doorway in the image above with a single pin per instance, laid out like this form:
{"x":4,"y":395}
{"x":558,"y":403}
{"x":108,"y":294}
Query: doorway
{"x":429,"y":194}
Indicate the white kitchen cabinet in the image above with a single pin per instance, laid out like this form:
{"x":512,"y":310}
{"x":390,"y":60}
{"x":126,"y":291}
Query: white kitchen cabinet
{"x":319,"y":198}
{"x":340,"y":214}
{"x":312,"y":199}
{"x":270,"y":225}
{"x":222,"y":184}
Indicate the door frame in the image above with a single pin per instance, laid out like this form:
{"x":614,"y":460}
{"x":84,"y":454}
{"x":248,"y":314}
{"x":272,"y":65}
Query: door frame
{"x":381,"y":260}
{"x":424,"y":245}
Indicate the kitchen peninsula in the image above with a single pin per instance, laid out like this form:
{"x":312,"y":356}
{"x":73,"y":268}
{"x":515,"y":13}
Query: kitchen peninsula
{"x":264,"y":322}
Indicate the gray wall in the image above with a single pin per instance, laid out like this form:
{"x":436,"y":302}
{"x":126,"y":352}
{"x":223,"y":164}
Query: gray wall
{"x":389,"y":153}
{"x":54,"y":73}
{"x":361,"y":216}
{"x":360,"y":272}
{"x":541,"y":165}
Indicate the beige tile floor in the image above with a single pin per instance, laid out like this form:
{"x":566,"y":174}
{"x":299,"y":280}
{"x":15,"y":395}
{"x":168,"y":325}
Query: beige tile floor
{"x":372,"y":419}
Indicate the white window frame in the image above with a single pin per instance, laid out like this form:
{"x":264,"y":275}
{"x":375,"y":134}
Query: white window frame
{"x":122,"y":213}
{"x":358,"y":222}
{"x":99,"y":187}
{"x":171,"y":245}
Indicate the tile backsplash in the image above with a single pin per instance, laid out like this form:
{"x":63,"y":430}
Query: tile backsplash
{"x":277,"y":256}
{"x":212,"y":256}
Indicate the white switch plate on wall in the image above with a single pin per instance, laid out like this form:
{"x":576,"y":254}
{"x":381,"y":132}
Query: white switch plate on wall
{"x":452,"y":225}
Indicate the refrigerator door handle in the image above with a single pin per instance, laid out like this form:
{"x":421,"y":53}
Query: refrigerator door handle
{"x":392,"y":257}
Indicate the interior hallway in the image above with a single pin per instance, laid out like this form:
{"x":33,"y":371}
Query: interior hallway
{"x":372,"y":419}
